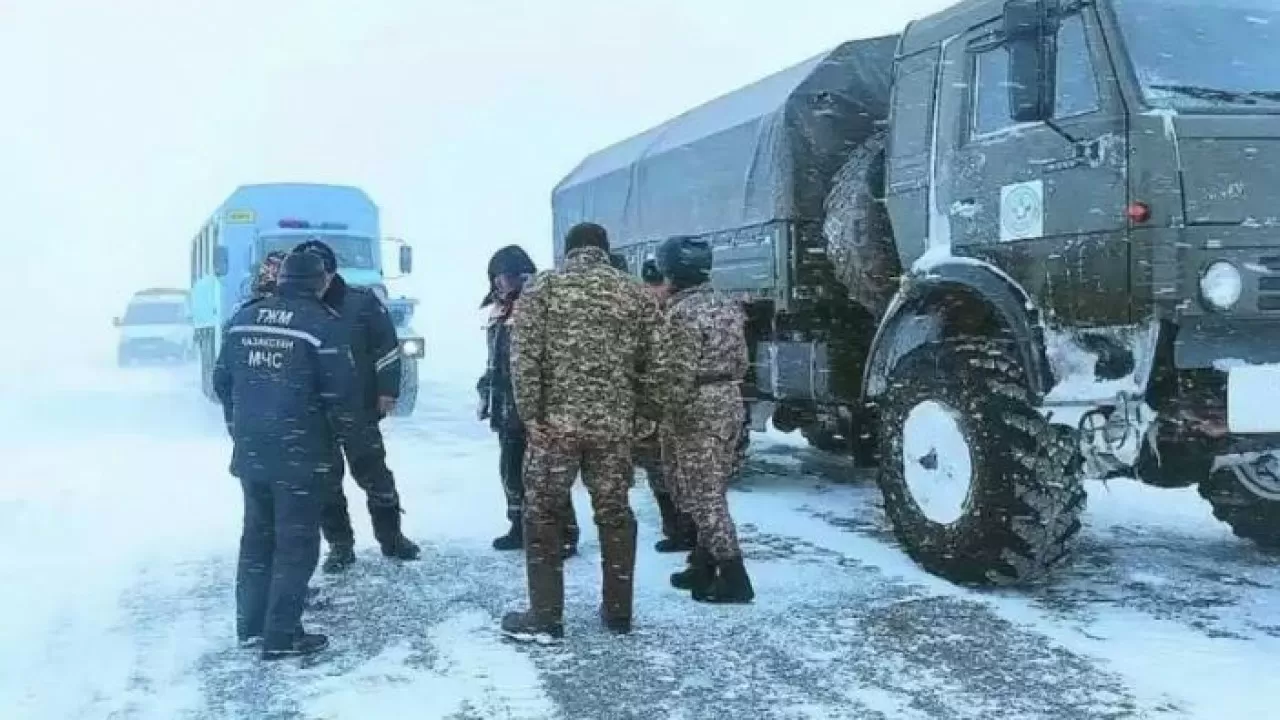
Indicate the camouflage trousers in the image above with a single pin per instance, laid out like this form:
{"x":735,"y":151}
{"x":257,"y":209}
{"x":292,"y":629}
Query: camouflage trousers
{"x":646,"y":454}
{"x":700,"y":453}
{"x":552,"y":465}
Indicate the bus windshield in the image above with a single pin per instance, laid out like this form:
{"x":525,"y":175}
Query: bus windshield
{"x":155,"y":313}
{"x":352,"y":251}
{"x":1204,"y":55}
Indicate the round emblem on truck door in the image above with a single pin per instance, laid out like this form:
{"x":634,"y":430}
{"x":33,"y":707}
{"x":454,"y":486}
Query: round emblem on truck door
{"x":1021,"y":211}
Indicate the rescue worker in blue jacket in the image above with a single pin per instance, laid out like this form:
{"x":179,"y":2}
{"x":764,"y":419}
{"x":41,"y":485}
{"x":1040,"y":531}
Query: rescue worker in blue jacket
{"x":375,"y":349}
{"x":285,"y":379}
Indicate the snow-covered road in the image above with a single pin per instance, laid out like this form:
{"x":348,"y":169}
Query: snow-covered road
{"x":119,"y":527}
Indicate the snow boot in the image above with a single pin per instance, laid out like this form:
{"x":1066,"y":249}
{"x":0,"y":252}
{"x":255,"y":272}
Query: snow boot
{"x":732,"y":585}
{"x":617,"y":566}
{"x":543,"y":621}
{"x":681,"y":535}
{"x":386,"y":530}
{"x":302,"y":644}
{"x":513,"y":540}
{"x":340,"y":559}
{"x":699,"y":575}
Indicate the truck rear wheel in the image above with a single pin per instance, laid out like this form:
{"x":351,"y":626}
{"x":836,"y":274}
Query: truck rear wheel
{"x":857,"y":228}
{"x":979,"y":487}
{"x":1247,"y":499}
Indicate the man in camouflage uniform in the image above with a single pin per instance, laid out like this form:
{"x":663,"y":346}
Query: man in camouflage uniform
{"x":702,"y":363}
{"x":679,"y":534}
{"x":581,"y":351}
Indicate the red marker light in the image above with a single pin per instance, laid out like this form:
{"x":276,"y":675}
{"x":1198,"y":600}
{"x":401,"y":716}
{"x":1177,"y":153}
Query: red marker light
{"x":1138,"y":212}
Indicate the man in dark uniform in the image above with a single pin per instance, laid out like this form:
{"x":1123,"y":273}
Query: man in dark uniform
{"x":285,"y":380}
{"x":376,"y":352}
{"x":510,"y":269}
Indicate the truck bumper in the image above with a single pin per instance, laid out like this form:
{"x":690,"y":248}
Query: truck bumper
{"x":1244,"y":357}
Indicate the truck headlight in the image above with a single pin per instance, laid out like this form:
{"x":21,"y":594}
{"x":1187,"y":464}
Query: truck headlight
{"x":412,"y":348}
{"x":1221,"y":285}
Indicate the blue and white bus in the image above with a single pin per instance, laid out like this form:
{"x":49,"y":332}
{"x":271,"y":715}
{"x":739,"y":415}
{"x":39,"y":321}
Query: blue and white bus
{"x":258,"y":219}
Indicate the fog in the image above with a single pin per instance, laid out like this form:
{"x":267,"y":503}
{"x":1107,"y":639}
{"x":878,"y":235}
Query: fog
{"x":126,"y":123}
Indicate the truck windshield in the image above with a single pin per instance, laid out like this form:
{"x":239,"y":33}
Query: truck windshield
{"x":1200,"y":55}
{"x":155,"y":313}
{"x":352,"y":251}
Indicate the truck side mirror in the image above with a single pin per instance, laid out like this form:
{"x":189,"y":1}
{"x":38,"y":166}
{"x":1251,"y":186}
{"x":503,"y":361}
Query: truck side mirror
{"x":1031,"y":39}
{"x":220,"y":261}
{"x":406,"y":259}
{"x":116,"y":321}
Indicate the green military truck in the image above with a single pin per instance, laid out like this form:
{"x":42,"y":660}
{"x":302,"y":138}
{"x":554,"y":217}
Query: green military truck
{"x":1022,"y":243}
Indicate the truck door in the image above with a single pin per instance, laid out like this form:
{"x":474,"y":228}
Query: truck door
{"x":1044,"y":202}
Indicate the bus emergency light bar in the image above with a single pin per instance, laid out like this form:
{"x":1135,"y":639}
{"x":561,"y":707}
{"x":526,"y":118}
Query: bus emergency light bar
{"x":303,"y":224}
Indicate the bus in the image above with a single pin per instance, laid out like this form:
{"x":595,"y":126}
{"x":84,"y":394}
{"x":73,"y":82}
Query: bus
{"x":258,"y":219}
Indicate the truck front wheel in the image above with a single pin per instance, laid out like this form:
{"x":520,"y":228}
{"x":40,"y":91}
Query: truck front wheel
{"x":1247,"y":498}
{"x":978,"y":486}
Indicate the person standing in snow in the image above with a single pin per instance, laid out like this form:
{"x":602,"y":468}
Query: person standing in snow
{"x":510,"y":269}
{"x":679,"y":534}
{"x":285,"y":378}
{"x":581,"y":349}
{"x":702,"y":363}
{"x":376,"y":352}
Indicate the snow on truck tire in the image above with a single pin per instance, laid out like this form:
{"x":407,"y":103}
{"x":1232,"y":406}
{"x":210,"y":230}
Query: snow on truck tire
{"x":857,"y":229}
{"x":1251,"y":507}
{"x":1002,"y":502}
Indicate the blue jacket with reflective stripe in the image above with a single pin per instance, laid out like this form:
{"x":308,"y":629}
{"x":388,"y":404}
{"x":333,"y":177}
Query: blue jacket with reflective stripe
{"x":287,"y":383}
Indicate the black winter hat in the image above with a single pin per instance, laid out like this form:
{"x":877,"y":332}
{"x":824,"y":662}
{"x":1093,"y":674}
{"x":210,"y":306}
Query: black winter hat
{"x":685,"y":261}
{"x":586,"y":235}
{"x":301,"y":272}
{"x":510,"y":260}
{"x":650,"y":273}
{"x":319,"y":247}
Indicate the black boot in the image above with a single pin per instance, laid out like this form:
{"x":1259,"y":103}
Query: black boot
{"x":386,"y":530}
{"x":683,"y":535}
{"x":302,"y":644}
{"x":341,"y":557}
{"x":699,"y":575}
{"x":731,"y":585}
{"x":513,"y":540}
{"x":543,"y":621}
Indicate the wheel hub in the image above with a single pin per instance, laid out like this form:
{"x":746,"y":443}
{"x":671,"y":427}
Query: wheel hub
{"x":937,"y":461}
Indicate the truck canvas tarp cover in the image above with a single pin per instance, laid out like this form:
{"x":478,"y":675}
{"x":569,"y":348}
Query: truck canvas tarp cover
{"x":763,"y":153}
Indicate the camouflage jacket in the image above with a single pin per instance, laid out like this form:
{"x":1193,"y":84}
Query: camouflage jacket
{"x":703,"y":343}
{"x":582,"y":349}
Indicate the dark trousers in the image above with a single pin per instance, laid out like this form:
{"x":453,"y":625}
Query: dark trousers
{"x":279,"y":549}
{"x":513,"y":446}
{"x":379,"y":485}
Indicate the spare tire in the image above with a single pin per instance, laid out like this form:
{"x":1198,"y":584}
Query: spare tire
{"x":857,"y":230}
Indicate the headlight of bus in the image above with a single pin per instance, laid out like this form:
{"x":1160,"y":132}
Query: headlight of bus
{"x":1221,"y":285}
{"x":412,"y":348}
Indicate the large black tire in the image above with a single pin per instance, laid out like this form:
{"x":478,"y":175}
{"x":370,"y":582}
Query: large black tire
{"x":857,"y":229}
{"x":1023,"y":505}
{"x":408,"y":390}
{"x":1250,"y":515}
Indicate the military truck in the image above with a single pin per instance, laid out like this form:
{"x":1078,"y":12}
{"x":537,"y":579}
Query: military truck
{"x":1020,"y":244}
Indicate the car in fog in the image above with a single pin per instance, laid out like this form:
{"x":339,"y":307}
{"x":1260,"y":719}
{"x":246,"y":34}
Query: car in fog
{"x":155,"y":328}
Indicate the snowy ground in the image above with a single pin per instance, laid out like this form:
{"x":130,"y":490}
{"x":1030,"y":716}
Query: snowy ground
{"x":119,"y":526}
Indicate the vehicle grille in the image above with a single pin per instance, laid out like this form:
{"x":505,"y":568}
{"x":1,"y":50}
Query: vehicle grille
{"x":1269,"y":285}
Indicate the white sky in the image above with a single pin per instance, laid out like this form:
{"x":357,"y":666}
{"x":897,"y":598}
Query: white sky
{"x":125,"y":122}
